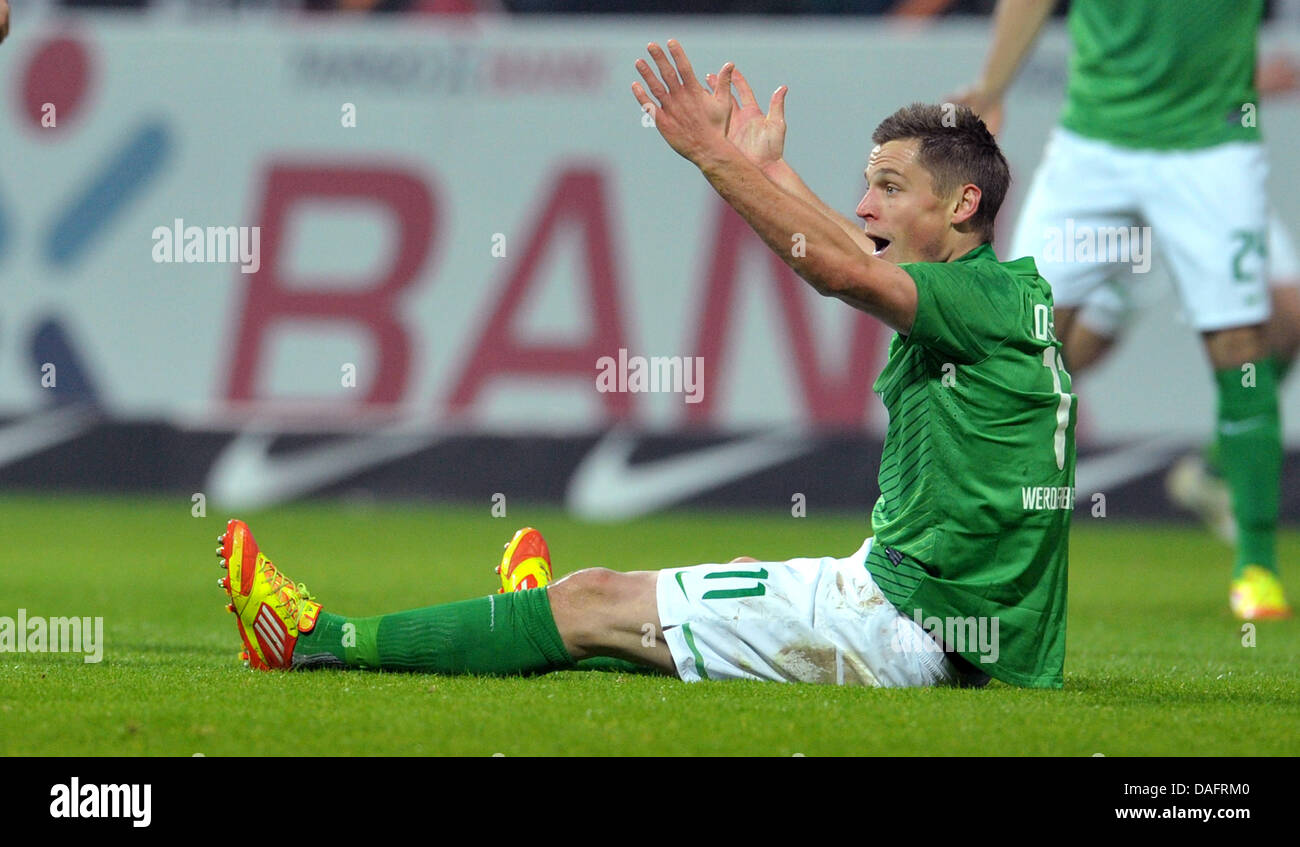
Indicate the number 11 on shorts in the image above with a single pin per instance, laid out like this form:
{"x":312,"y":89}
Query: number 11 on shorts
{"x":756,"y":590}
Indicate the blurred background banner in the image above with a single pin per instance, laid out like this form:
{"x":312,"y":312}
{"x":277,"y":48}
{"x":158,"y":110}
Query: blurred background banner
{"x":265,"y":258}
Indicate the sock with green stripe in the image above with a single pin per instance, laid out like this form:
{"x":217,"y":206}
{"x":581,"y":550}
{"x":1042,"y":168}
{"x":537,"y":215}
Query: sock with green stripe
{"x":499,"y":635}
{"x":1249,"y":453}
{"x":1281,"y":367}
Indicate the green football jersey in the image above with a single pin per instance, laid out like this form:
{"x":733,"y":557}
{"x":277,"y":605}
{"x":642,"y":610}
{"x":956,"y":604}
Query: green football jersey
{"x":977,"y":472}
{"x":1163,"y":74}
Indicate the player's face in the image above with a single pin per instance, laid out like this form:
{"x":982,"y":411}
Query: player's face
{"x":903,"y":216}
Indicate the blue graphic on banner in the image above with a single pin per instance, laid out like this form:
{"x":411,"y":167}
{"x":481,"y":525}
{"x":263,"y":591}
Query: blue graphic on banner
{"x":121,"y":180}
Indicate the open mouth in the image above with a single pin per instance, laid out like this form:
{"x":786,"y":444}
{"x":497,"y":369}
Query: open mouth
{"x":881,"y":243}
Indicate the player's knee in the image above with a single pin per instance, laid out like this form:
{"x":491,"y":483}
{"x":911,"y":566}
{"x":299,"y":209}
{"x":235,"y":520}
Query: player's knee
{"x":592,"y":588}
{"x":1283,"y":332}
{"x":590,"y":602}
{"x":1231,"y":348}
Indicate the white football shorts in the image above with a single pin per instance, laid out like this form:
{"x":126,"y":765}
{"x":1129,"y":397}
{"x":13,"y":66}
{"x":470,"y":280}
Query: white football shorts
{"x":1110,"y":306}
{"x":803,"y":620}
{"x":1096,"y":211}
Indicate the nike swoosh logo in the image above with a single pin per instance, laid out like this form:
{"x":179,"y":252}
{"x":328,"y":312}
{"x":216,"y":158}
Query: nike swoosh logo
{"x":245,"y":475}
{"x":682,"y":585}
{"x":607,"y":487}
{"x":1116,"y":467}
{"x":1238,"y":427}
{"x":40,"y":431}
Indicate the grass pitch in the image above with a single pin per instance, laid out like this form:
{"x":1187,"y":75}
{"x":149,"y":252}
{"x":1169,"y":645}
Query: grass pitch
{"x":1155,"y":664}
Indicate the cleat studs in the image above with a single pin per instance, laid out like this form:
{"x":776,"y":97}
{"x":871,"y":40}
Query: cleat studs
{"x":230,"y":607}
{"x":225,"y":564}
{"x":224,"y":582}
{"x":221,"y":539}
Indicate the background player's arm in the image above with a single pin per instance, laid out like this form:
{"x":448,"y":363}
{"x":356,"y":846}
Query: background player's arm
{"x":694,"y":122}
{"x":4,"y":19}
{"x":1278,"y":74}
{"x":762,"y":139}
{"x":1016,"y":24}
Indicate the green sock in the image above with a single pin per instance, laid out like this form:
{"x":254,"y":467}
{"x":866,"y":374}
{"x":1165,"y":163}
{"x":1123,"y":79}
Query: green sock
{"x":500,"y":635}
{"x":1249,"y":448}
{"x":1281,"y":366}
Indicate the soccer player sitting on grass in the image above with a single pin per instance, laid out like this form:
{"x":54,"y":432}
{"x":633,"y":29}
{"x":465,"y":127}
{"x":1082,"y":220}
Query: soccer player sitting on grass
{"x":965,"y":576}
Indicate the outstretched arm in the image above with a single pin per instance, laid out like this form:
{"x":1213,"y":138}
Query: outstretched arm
{"x":694,"y":122}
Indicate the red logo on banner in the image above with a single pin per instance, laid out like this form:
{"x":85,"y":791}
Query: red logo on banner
{"x":271,"y":298}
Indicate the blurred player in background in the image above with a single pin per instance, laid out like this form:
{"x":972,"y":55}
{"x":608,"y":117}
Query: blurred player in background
{"x":1159,"y":129}
{"x":4,"y":19}
{"x":1196,"y":482}
{"x":965,"y":575}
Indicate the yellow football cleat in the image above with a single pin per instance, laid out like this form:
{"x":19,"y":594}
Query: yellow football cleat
{"x":1257,"y":596}
{"x":271,"y":611}
{"x":526,"y":563}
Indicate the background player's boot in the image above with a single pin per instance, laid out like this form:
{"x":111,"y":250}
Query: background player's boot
{"x":270,"y":611}
{"x":526,"y":562}
{"x":1257,"y":596}
{"x":1193,"y":486}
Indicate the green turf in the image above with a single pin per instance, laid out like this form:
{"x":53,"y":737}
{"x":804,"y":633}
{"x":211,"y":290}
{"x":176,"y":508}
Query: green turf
{"x":1155,"y":663}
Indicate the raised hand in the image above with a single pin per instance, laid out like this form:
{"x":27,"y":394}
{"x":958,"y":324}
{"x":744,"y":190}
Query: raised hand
{"x":980,"y":103}
{"x":760,"y":137}
{"x":689,"y":117}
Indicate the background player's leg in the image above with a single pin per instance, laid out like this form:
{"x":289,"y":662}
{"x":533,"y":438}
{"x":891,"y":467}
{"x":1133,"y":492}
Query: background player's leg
{"x":1225,"y":295}
{"x":1195,"y":482}
{"x":1283,"y":333}
{"x":1085,"y":348}
{"x":1284,"y":294}
{"x":1249,"y":438}
{"x":1095,"y":326}
{"x":1063,"y":323}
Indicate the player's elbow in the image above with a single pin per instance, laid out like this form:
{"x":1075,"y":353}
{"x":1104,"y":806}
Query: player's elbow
{"x":850,"y":284}
{"x":877,"y":288}
{"x":839,"y":280}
